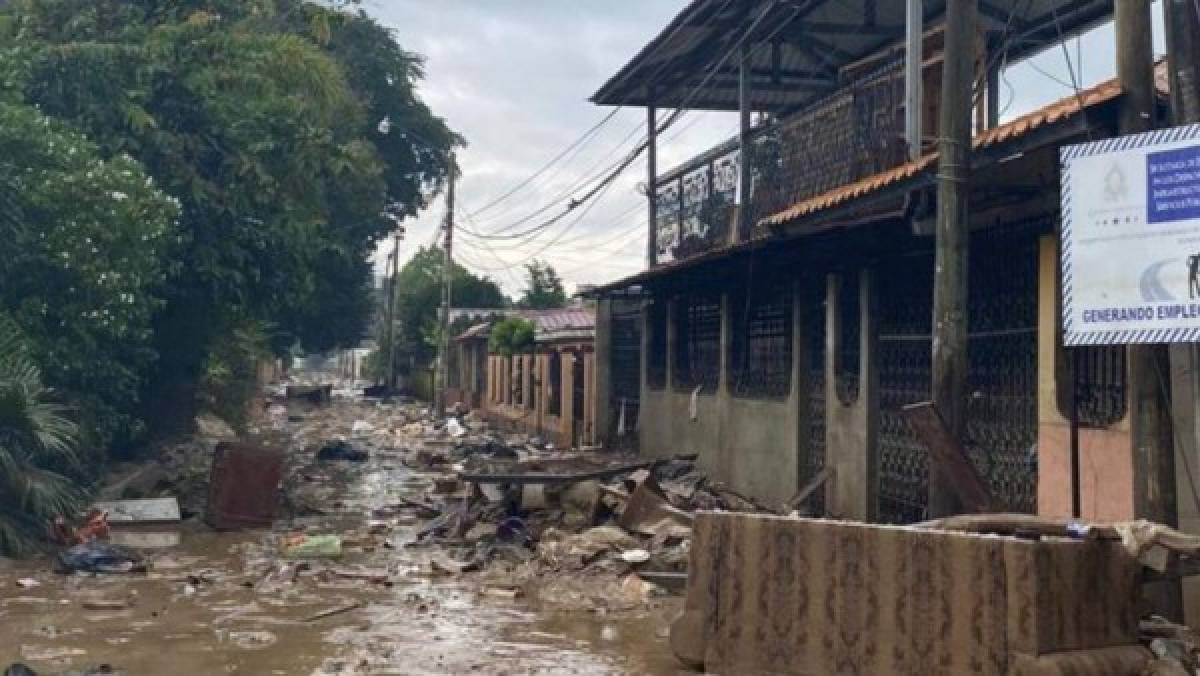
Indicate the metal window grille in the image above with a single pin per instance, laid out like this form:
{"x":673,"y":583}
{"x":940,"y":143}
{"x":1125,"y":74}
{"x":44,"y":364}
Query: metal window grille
{"x":1002,"y":366}
{"x":761,"y":359}
{"x":656,"y":360}
{"x":698,"y":342}
{"x":626,"y":361}
{"x":1100,"y":379}
{"x":849,"y":340}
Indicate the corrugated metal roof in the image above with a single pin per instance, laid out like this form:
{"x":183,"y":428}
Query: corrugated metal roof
{"x":559,"y":320}
{"x":798,"y":49}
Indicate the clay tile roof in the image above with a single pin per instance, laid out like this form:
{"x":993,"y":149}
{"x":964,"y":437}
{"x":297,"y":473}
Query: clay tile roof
{"x":1055,"y":112}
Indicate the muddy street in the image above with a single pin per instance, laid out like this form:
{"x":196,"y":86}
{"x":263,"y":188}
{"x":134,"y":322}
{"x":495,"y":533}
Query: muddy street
{"x":229,"y":602}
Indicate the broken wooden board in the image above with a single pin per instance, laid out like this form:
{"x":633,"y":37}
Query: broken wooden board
{"x":948,"y":453}
{"x":151,"y":510}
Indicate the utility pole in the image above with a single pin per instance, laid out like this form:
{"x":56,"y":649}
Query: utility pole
{"x":443,"y":361}
{"x":391,"y":312}
{"x":651,"y":181}
{"x":913,"y":53}
{"x":1149,"y":365}
{"x":951,"y":258}
{"x":1183,"y":56}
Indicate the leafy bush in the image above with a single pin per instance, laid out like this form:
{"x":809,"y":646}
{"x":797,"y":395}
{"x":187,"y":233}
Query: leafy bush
{"x":36,"y":444}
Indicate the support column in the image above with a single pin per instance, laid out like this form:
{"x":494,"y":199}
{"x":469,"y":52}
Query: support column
{"x":1149,"y":365}
{"x":950,"y":267}
{"x":914,"y":50}
{"x":651,"y":181}
{"x":605,"y":424}
{"x":745,"y":166}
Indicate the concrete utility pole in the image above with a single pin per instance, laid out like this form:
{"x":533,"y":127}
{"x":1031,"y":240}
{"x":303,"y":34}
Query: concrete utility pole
{"x":651,"y":181}
{"x":443,"y":362}
{"x":950,"y":265}
{"x":913,"y":53}
{"x":1149,"y":365}
{"x":391,"y":312}
{"x":746,"y":154}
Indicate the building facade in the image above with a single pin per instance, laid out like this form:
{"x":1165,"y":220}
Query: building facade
{"x":786,"y":313}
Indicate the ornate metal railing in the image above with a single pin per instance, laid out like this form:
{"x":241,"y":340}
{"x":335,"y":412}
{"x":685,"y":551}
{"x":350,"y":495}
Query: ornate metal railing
{"x":854,"y":133}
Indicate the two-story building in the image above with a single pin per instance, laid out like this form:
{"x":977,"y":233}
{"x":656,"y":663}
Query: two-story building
{"x":785,"y":317}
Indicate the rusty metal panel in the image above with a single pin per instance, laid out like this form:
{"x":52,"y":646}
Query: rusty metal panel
{"x":243,"y":489}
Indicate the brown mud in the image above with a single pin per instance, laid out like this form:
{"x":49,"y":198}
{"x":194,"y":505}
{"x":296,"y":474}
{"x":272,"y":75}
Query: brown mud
{"x":223,"y":603}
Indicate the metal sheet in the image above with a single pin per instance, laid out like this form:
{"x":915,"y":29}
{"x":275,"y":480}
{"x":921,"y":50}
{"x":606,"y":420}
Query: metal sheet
{"x":244,"y":486}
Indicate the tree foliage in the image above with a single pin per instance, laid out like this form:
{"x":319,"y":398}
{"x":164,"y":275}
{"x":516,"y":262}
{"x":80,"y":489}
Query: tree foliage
{"x":418,"y":296}
{"x":511,"y":336}
{"x":290,"y":133}
{"x":544,"y":290}
{"x":85,"y":253}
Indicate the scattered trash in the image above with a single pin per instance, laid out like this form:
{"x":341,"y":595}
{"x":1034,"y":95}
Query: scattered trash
{"x":95,"y":526}
{"x":103,"y":604}
{"x":99,"y":557}
{"x":313,"y":394}
{"x":28,"y":583}
{"x":312,"y":547}
{"x":341,"y":450}
{"x":333,"y":611}
{"x":361,"y":428}
{"x":635,"y":556}
{"x":455,"y":429}
{"x":19,"y":669}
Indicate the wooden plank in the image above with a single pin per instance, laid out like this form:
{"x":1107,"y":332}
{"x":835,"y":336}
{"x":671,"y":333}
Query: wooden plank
{"x":521,"y":478}
{"x":947,"y":453}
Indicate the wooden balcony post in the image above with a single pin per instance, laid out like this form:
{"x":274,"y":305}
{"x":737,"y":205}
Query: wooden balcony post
{"x":651,"y":180}
{"x":914,"y":50}
{"x":950,"y":267}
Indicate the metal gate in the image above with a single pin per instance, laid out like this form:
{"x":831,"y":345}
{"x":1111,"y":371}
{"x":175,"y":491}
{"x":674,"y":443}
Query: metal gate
{"x":1002,"y":373}
{"x":905,"y":301}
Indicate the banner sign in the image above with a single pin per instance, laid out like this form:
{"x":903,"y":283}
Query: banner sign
{"x":1131,"y":239}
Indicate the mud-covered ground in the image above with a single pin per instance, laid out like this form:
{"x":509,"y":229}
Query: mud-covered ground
{"x":220,"y":603}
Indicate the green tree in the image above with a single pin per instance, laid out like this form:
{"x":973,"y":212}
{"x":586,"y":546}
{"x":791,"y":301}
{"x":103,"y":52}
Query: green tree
{"x":511,"y":336}
{"x":36,"y":443}
{"x":544,"y":288}
{"x":291,"y":134}
{"x":84,"y":250}
{"x":418,"y":297}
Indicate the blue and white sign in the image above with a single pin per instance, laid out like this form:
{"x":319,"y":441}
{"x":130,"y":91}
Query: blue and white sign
{"x":1131,"y":239}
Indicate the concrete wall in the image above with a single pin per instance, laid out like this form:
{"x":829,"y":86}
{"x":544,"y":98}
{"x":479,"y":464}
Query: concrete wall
{"x":1105,"y":455}
{"x":852,"y":429}
{"x":757,"y":446}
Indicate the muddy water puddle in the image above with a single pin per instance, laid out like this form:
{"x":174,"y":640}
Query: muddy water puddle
{"x":224,"y":603}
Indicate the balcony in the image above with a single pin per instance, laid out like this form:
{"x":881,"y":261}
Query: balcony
{"x":855,"y":132}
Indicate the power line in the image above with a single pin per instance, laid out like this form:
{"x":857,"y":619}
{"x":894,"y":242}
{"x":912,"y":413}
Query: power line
{"x":642,"y":145}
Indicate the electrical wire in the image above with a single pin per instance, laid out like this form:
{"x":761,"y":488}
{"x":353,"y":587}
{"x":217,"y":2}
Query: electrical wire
{"x":670,"y":119}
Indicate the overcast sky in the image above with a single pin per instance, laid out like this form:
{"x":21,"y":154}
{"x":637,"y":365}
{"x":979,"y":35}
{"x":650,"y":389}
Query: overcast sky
{"x":514,"y":76}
